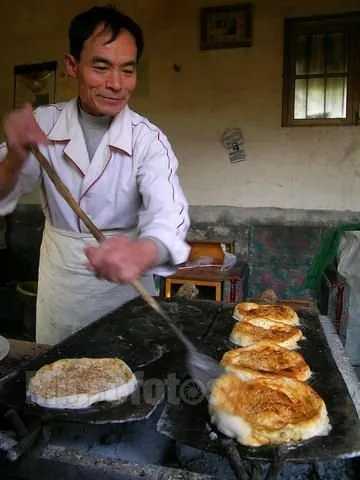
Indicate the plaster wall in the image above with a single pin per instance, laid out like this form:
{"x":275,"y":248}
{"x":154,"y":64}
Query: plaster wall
{"x":308,"y":168}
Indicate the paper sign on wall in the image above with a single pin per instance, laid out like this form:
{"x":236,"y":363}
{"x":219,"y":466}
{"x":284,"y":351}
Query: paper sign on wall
{"x":233,"y":141}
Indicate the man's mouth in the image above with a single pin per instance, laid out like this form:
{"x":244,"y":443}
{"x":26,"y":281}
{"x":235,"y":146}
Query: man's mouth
{"x":112,"y":99}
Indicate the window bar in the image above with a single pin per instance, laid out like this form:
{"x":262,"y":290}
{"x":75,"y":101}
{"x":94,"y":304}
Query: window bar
{"x":346,"y":43}
{"x":326,"y":47}
{"x":307,"y":62}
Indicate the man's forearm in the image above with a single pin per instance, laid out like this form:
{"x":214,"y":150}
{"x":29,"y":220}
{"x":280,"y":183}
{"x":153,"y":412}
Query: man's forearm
{"x":163,"y":254}
{"x":9,"y":174}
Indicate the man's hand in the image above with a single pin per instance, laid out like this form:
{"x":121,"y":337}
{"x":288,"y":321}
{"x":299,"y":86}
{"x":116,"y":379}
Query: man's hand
{"x":22,"y":131}
{"x":122,"y":260}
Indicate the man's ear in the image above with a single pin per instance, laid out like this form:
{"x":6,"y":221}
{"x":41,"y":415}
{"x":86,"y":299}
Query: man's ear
{"x":71,"y":65}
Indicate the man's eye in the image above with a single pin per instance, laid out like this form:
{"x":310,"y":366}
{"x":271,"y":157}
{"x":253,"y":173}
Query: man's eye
{"x":100,"y":68}
{"x":129,"y":71}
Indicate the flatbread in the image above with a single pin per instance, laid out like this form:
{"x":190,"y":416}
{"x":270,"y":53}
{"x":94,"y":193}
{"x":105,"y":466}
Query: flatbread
{"x":279,"y":313}
{"x":79,"y":382}
{"x":245,"y":334}
{"x":267,"y":410}
{"x":265,"y":359}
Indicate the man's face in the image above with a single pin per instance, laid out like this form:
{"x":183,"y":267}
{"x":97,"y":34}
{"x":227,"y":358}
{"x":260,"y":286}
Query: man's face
{"x":106,"y":72}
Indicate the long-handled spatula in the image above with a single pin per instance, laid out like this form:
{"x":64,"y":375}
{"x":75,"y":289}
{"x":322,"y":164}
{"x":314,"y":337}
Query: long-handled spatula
{"x":202,"y":368}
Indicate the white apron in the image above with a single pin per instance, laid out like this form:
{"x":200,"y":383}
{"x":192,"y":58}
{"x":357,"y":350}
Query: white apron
{"x":69,"y":295}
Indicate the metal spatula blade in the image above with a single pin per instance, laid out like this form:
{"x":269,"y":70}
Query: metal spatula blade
{"x":202,"y":368}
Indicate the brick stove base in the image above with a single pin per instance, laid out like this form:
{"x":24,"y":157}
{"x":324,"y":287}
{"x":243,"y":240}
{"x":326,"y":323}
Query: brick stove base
{"x":59,"y":462}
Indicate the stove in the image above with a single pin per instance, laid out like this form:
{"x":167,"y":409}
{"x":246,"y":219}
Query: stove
{"x":163,"y":431}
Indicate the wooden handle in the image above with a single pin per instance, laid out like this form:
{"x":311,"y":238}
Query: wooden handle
{"x":66,"y":194}
{"x":99,"y":236}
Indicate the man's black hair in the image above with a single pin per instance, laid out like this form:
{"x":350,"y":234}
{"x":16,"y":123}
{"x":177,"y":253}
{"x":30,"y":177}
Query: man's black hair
{"x":83,"y":26}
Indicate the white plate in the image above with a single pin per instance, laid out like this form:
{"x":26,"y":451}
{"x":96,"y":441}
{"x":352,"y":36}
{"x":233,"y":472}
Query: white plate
{"x":4,"y":347}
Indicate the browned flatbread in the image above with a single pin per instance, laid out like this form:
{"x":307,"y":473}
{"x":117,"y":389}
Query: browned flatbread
{"x":245,"y":334}
{"x":278,"y":313}
{"x":266,"y":359}
{"x":267,"y":410}
{"x":80,"y":382}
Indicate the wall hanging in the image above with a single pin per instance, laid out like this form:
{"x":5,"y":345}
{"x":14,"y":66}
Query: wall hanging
{"x":35,"y":84}
{"x":228,"y":26}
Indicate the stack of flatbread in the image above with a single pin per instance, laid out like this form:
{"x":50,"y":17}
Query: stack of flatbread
{"x":263,"y":398}
{"x":79,"y":382}
{"x":276,"y":323}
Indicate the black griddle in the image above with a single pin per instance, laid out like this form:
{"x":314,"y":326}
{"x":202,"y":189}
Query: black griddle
{"x":134,"y":333}
{"x":139,"y":336}
{"x":190,"y":424}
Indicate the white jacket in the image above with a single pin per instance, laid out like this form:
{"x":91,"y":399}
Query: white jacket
{"x":131,"y":182}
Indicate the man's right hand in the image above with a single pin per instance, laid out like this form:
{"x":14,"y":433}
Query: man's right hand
{"x":21,"y":131}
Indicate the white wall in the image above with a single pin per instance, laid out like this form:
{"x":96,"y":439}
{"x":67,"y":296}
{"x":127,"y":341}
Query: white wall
{"x":297,"y":167}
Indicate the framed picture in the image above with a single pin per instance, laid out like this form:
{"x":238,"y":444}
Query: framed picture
{"x":228,"y":26}
{"x":35,"y":84}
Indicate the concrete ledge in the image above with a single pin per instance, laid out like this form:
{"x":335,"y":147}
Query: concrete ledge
{"x":226,"y":215}
{"x":342,"y":361}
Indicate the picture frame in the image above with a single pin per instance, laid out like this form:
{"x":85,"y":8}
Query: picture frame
{"x":35,"y":84}
{"x":228,"y":26}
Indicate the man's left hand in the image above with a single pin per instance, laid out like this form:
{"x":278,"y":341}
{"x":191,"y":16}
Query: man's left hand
{"x":122,"y":260}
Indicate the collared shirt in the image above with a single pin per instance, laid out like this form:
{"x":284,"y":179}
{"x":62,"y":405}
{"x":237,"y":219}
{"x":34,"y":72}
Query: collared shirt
{"x":130,"y":183}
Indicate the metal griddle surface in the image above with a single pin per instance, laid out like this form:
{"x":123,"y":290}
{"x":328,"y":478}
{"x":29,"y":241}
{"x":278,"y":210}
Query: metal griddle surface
{"x":190,"y":424}
{"x":134,"y":333}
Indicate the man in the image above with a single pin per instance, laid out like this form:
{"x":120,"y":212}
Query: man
{"x":119,"y":167}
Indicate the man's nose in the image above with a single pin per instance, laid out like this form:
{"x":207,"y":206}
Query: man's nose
{"x":114,"y":80}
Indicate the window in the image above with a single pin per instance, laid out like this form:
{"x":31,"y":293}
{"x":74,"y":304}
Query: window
{"x":321,"y":70}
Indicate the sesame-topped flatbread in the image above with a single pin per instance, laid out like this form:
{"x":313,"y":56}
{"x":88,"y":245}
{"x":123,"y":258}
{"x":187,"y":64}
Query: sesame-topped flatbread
{"x":267,"y":411}
{"x":265,"y":359}
{"x":79,"y":382}
{"x":246,"y":333}
{"x":279,"y":313}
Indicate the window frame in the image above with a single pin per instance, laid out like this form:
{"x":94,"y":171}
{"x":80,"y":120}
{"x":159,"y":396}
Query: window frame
{"x":348,"y":23}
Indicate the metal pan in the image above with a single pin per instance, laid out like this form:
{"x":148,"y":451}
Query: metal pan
{"x":190,"y":424}
{"x":132,"y":333}
{"x":138,"y":406}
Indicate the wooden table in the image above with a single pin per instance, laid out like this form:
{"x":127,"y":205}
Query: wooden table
{"x":212,"y":277}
